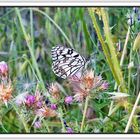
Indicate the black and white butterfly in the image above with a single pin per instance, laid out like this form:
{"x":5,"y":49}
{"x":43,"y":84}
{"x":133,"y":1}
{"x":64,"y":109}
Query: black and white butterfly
{"x":66,"y":61}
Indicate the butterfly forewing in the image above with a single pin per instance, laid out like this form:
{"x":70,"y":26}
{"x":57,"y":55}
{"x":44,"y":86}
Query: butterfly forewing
{"x":66,"y":61}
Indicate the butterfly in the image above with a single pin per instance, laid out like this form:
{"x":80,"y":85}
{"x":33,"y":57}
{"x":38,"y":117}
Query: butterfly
{"x":66,"y":61}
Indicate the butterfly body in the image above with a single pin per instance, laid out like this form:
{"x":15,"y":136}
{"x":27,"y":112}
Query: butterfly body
{"x":66,"y":61}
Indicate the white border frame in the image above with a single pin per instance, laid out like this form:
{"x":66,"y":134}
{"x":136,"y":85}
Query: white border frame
{"x":70,"y":3}
{"x":70,"y":136}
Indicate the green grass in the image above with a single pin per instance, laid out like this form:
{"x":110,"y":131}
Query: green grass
{"x":26,"y":38}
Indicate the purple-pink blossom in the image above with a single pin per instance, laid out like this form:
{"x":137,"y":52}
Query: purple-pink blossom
{"x":39,"y":104}
{"x":53,"y":106}
{"x":69,"y":130}
{"x":104,"y":85}
{"x":69,"y":99}
{"x":3,"y":68}
{"x":30,"y":100}
{"x":37,"y":124}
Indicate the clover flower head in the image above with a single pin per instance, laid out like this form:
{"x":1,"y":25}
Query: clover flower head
{"x":68,"y":99}
{"x":53,"y":106}
{"x":104,"y":85}
{"x":54,"y":90}
{"x":88,"y":82}
{"x":34,"y":101}
{"x":30,"y":100}
{"x":3,"y":68}
{"x":5,"y":92}
{"x":46,"y":112}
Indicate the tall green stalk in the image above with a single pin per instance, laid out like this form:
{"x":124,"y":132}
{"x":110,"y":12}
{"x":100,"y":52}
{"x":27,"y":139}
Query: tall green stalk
{"x":29,"y":42}
{"x":84,"y":114}
{"x":132,"y":114}
{"x":113,"y":53}
{"x":108,"y":49}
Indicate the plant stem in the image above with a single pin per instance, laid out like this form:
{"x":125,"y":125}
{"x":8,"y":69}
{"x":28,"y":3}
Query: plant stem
{"x":111,"y":112}
{"x":108,"y":50}
{"x":121,"y":61}
{"x":129,"y":71}
{"x":138,"y":74}
{"x":27,"y":130}
{"x":84,"y":114}
{"x":61,"y":119}
{"x":113,"y":53}
{"x":125,"y":47}
{"x":32,"y":29}
{"x":28,"y":41}
{"x":132,"y":114}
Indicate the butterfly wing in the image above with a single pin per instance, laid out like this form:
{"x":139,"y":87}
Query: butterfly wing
{"x":66,"y":62}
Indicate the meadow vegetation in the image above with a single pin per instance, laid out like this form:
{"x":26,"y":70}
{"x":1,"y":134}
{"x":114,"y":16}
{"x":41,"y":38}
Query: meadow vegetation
{"x":105,"y":99}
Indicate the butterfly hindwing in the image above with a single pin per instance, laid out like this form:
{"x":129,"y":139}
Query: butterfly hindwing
{"x":66,"y":61}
